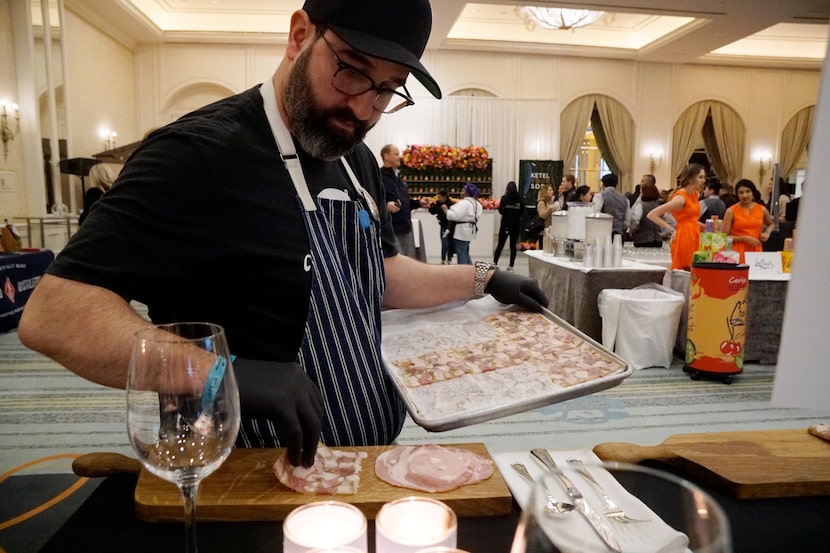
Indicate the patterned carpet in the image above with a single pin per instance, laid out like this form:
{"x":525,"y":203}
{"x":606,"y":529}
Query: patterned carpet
{"x":46,"y":411}
{"x":48,"y":415}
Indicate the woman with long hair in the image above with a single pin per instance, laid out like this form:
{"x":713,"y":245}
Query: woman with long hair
{"x":511,"y":207}
{"x":544,"y":209}
{"x":747,"y":221}
{"x":584,"y":194}
{"x":685,"y":208}
{"x":645,"y":232}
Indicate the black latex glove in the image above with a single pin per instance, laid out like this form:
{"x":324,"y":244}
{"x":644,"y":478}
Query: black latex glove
{"x":284,"y":393}
{"x":517,"y":289}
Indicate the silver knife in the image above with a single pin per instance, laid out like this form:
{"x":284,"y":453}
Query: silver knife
{"x":594,"y":519}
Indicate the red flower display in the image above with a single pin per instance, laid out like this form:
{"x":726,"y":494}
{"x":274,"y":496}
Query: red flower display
{"x":421,"y":157}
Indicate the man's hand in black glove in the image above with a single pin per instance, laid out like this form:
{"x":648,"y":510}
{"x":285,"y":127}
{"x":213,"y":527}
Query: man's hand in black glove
{"x":284,"y":393}
{"x":516,"y":289}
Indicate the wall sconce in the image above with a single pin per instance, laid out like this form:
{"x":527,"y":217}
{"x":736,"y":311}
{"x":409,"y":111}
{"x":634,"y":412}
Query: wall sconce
{"x":655,"y":159}
{"x":764,"y":165}
{"x":6,"y":132}
{"x":109,"y":139}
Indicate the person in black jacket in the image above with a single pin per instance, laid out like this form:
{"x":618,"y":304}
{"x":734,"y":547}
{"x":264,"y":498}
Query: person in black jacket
{"x":437,"y":209}
{"x":398,"y":202}
{"x":511,"y":207}
{"x":101,"y":178}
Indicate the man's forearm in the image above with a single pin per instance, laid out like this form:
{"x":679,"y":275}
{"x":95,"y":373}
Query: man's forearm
{"x":412,"y":284}
{"x":85,"y":328}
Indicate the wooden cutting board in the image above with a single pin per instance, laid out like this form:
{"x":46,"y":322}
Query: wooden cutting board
{"x":749,"y":464}
{"x":245,"y":488}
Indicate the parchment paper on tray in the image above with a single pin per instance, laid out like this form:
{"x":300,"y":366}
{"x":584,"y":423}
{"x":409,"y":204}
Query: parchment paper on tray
{"x":465,"y":364}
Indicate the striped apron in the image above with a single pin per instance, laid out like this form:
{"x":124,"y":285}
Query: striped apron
{"x":341,"y":344}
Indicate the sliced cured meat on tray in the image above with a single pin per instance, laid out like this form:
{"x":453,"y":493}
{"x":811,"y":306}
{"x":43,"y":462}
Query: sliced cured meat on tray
{"x":245,"y":488}
{"x":482,"y":360}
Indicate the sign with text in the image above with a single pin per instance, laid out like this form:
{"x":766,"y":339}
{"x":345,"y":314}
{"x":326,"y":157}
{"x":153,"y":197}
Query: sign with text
{"x":534,"y":176}
{"x":762,"y":264}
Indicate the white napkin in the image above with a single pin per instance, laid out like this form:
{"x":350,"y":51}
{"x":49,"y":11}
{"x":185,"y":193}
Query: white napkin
{"x":652,"y":536}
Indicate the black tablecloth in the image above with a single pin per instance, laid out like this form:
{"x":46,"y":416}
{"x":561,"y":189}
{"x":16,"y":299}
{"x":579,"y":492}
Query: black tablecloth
{"x":19,"y":272}
{"x":107,"y":523}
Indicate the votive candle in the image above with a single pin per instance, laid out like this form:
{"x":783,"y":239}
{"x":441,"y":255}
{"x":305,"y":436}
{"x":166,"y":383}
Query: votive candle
{"x":411,"y":524}
{"x":326,"y":525}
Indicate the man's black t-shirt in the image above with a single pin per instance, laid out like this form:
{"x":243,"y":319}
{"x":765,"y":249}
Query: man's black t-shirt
{"x":204,"y":224}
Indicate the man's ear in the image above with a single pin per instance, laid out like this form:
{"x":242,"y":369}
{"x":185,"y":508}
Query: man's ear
{"x":301,"y":30}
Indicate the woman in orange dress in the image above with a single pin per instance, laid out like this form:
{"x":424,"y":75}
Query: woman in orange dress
{"x":747,"y":221}
{"x":685,"y":208}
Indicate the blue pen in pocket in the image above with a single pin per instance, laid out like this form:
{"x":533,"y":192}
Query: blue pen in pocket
{"x":363,"y":217}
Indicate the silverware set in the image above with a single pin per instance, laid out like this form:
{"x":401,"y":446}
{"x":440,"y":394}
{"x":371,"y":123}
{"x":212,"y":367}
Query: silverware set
{"x":578,"y":503}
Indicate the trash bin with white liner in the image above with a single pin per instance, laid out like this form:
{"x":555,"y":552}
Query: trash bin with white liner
{"x":640,"y":325}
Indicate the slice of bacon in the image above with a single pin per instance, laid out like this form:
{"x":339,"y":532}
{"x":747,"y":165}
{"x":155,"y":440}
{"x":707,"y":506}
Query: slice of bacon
{"x":334,"y":472}
{"x":432,"y":468}
{"x":820,"y":430}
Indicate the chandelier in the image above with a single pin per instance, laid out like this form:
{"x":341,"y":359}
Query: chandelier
{"x":556,"y":18}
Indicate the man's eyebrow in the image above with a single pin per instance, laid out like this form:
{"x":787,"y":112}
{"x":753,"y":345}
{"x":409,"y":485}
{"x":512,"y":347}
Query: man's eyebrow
{"x":366,"y":63}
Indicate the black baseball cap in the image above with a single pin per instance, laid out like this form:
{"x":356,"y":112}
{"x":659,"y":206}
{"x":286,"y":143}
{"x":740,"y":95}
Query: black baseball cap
{"x":391,"y":30}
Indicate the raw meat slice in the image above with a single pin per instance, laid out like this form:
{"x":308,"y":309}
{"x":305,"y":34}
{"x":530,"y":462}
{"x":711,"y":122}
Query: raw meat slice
{"x":432,"y":468}
{"x":820,"y":430}
{"x":334,"y":472}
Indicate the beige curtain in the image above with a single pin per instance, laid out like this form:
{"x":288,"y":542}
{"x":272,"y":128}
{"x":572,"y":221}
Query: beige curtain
{"x":729,"y":135}
{"x":614,"y":131}
{"x":723,"y":135}
{"x":573,"y":122}
{"x":687,"y":130}
{"x":795,"y":139}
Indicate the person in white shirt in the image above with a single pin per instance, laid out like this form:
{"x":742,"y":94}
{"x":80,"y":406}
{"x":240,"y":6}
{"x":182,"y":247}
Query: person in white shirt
{"x":465,"y":214}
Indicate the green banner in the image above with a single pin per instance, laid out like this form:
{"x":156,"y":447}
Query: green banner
{"x":536,"y":175}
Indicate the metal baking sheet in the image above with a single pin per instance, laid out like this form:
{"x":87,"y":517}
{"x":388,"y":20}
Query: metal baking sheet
{"x":481,"y":395}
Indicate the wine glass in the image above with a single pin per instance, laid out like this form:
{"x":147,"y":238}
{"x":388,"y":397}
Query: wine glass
{"x":182,"y":406}
{"x":672,"y":514}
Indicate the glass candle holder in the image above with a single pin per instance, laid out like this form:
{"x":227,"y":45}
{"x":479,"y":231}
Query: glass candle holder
{"x":324,"y":525}
{"x":411,"y":524}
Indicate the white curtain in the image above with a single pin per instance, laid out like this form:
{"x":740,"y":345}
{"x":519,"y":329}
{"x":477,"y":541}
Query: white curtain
{"x":510,"y":129}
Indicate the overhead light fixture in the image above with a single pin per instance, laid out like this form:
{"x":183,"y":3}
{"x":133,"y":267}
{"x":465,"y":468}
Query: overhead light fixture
{"x":556,"y":18}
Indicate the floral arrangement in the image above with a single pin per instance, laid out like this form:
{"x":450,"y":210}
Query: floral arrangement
{"x":420,"y":157}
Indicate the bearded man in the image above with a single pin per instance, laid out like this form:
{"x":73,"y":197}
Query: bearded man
{"x":264,"y":213}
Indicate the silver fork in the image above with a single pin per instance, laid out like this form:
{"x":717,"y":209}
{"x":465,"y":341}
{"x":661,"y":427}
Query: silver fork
{"x":613,"y":511}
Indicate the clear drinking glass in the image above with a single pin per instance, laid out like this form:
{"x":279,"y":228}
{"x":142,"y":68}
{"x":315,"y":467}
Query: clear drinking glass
{"x":182,"y":406}
{"x":665,"y":513}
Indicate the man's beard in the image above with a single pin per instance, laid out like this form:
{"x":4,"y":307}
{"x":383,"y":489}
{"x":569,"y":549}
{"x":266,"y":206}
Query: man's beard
{"x":309,"y":123}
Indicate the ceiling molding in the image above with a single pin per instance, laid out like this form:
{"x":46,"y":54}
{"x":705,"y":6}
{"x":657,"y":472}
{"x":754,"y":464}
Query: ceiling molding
{"x":491,"y":25}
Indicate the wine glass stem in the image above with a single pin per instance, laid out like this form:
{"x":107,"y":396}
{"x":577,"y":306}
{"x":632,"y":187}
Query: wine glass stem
{"x":189,"y":492}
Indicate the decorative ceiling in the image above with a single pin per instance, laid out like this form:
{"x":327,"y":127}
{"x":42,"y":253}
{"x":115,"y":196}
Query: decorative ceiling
{"x":772,"y":33}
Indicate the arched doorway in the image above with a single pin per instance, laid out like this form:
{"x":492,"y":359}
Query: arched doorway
{"x":192,"y":97}
{"x":597,"y":124}
{"x":722,"y":132}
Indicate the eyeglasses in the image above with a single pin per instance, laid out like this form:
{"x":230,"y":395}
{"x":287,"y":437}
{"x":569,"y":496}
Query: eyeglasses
{"x":350,"y":81}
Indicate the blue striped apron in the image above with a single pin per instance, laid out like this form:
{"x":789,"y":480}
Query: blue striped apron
{"x":341,"y":344}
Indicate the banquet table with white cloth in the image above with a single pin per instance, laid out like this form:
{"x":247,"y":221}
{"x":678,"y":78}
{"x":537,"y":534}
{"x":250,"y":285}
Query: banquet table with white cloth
{"x":573,"y":289}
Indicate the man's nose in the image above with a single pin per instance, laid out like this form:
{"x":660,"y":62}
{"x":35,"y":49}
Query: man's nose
{"x":363,"y":105}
